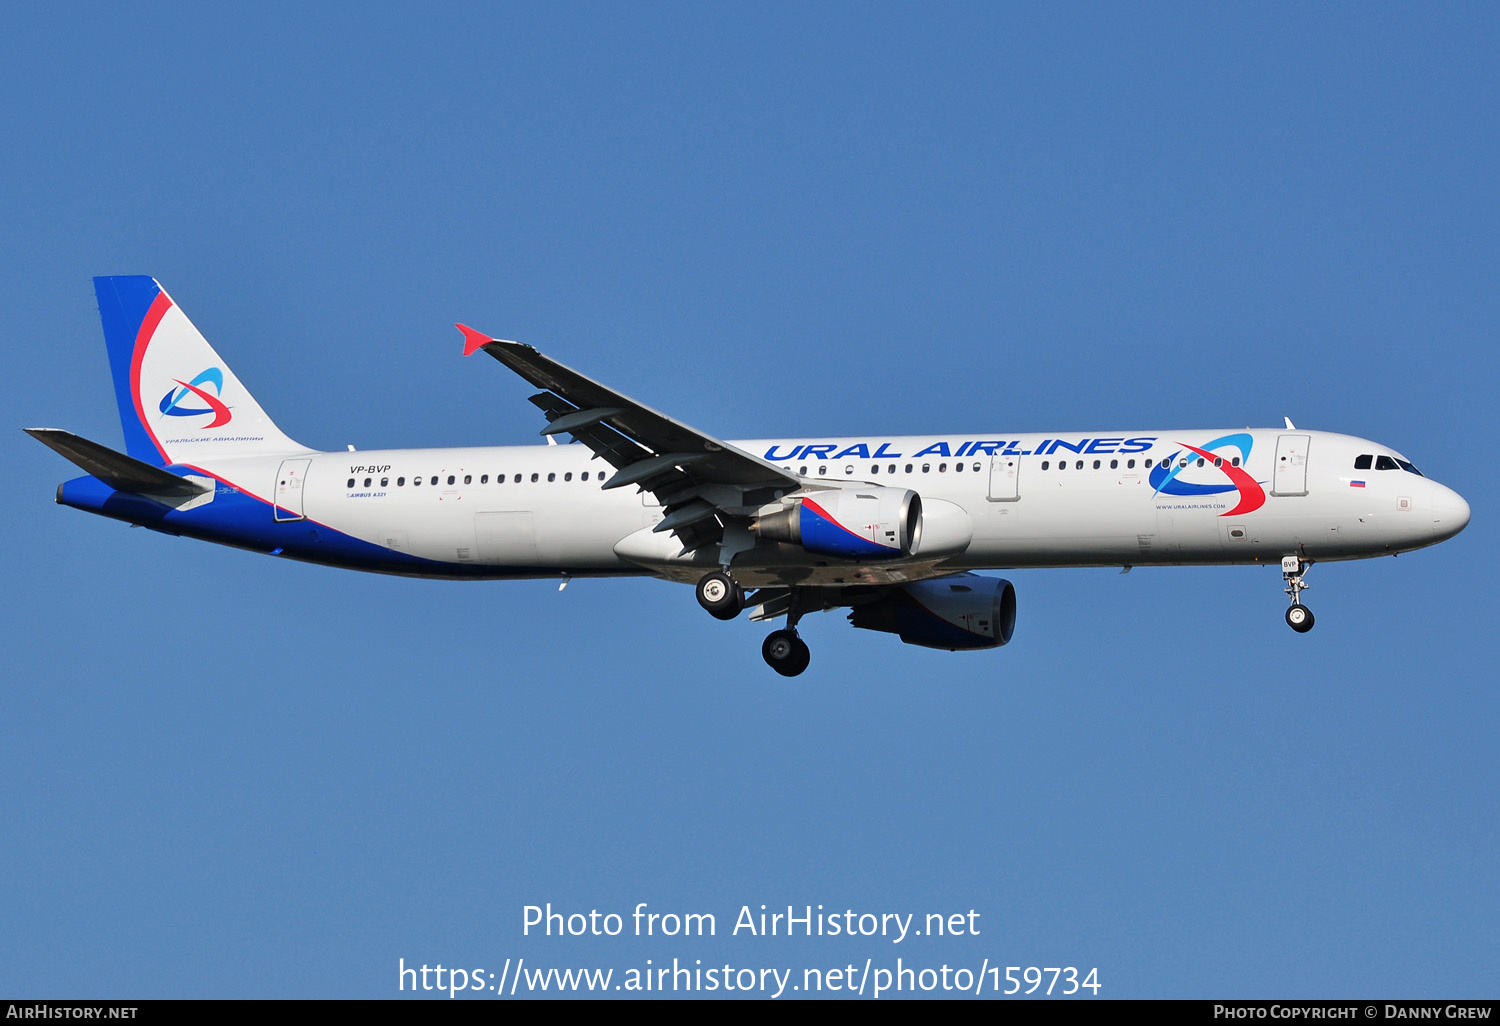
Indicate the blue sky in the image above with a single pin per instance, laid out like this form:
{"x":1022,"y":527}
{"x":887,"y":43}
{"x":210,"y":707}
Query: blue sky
{"x":225,"y":775}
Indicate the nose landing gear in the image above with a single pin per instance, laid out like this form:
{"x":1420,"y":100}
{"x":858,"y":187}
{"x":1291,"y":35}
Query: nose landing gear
{"x":1293,"y":571}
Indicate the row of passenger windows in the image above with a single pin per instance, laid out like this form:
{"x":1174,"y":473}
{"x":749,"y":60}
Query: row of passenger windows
{"x":926,"y":468}
{"x":941,"y":468}
{"x":1364,"y":461}
{"x":416,"y":482}
{"x":1146,"y":464}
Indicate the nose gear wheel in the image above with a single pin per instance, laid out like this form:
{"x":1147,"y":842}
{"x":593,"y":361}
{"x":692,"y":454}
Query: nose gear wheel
{"x":1293,"y":572}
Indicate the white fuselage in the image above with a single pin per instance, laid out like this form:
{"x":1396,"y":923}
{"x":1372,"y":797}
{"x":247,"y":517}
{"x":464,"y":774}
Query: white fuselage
{"x":541,"y":511}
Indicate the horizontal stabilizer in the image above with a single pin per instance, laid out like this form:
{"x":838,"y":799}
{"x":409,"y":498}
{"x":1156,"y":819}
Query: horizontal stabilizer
{"x":122,"y":473}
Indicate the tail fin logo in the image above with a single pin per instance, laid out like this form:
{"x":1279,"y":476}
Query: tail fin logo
{"x":170,"y":403}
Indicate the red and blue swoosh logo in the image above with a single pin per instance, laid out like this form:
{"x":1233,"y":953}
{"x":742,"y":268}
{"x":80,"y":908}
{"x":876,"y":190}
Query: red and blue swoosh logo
{"x":1164,"y":476}
{"x":171,"y":403}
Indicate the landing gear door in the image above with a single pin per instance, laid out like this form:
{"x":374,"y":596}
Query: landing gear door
{"x":1290,"y":475}
{"x":1005,"y":474}
{"x":289,"y":481}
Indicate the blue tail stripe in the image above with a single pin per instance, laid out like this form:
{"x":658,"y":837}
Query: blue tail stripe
{"x":123,"y":302}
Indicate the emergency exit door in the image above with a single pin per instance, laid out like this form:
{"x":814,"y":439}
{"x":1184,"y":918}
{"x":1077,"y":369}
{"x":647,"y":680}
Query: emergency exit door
{"x":1005,"y":473}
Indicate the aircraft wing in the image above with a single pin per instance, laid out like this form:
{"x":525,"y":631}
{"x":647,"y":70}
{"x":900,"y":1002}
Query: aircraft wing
{"x":700,"y":480}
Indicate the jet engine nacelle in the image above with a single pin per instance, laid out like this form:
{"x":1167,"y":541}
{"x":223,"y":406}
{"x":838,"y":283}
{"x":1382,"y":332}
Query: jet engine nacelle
{"x":964,"y":611}
{"x":945,"y":529}
{"x":872,"y":523}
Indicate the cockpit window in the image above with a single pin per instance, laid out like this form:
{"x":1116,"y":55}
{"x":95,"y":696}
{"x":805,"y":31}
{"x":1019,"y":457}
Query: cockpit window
{"x":1363,"y":462}
{"x":1385,"y":463}
{"x":1409,"y":468}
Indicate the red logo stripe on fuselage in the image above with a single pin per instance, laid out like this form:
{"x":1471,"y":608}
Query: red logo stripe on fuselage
{"x":1252,"y":495}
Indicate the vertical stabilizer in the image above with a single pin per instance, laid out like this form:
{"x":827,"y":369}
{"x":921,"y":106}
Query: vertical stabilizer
{"x":179,"y":402}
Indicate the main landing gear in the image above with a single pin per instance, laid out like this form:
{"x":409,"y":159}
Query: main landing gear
{"x":1298,"y":617}
{"x":721,"y":595}
{"x":784,"y":651}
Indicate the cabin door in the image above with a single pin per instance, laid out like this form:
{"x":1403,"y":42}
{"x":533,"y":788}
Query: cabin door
{"x":1290,"y":475}
{"x":289,"y":480}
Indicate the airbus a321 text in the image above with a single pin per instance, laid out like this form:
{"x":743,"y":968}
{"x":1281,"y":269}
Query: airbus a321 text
{"x":892,"y":528}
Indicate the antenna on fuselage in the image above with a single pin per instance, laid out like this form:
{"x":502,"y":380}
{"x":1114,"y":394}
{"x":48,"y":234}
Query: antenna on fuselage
{"x":1289,"y":425}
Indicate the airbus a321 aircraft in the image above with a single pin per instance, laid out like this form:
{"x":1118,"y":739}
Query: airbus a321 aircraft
{"x":890,"y":527}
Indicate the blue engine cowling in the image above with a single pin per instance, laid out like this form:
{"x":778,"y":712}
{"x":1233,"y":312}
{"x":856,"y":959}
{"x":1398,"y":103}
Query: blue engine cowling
{"x":960,"y":612}
{"x":872,"y":523}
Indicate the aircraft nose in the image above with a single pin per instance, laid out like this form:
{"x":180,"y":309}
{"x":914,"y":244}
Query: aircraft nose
{"x":1450,"y":512}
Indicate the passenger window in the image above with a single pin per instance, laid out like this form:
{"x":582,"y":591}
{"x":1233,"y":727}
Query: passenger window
{"x":1130,"y":464}
{"x":400,"y":482}
{"x":942,"y":468}
{"x":908,"y":468}
{"x":1363,"y":462}
{"x":1200,"y":461}
{"x":516,"y":479}
{"x":1182,"y":463}
{"x":367,"y":482}
{"x":976,"y":468}
{"x":848,"y":468}
{"x":416,"y":481}
{"x":891,"y":469}
{"x":484,"y":479}
{"x":1235,"y":462}
{"x":1096,"y":464}
{"x":958,"y":468}
{"x":1046,"y":464}
{"x":434,"y":479}
{"x":1146,"y":463}
{"x":1218,"y":461}
{"x":926,"y":467}
{"x":1114,"y":464}
{"x":802,"y":471}
{"x":351,"y":482}
{"x":468,"y":479}
{"x":384,"y":482}
{"x":535,"y":478}
{"x":1079,"y":465}
{"x":1062,"y":464}
{"x":822,"y":470}
{"x":1385,"y":463}
{"x":585,"y":475}
{"x":551,"y":477}
{"x":875,"y":468}
{"x":568,"y":476}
